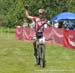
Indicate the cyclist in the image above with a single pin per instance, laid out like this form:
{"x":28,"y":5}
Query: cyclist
{"x":39,"y":20}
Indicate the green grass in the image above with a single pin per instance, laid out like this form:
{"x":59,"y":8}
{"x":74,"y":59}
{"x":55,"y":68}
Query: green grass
{"x":16,"y":56}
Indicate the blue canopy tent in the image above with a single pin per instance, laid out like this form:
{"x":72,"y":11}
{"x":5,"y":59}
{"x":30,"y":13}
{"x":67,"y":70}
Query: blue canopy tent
{"x":64,"y":16}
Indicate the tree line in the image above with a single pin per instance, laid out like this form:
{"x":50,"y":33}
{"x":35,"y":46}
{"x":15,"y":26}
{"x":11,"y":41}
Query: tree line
{"x":12,"y":11}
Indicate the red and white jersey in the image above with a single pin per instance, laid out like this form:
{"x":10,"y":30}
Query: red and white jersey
{"x":39,"y":23}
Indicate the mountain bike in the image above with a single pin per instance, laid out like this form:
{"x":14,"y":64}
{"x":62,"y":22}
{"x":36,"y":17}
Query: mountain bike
{"x":40,"y":56}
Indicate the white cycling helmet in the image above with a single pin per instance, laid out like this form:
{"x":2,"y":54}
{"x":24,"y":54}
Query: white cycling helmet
{"x":42,"y":11}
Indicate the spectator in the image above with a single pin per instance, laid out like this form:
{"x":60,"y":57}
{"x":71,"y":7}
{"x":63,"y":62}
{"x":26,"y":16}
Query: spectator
{"x":60,"y":24}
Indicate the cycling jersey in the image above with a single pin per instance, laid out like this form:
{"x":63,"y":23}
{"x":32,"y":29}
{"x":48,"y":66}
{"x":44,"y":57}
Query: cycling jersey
{"x":39,"y":23}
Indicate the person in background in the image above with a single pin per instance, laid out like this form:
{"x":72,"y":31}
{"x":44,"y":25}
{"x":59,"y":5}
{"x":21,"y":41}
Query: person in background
{"x":60,"y":24}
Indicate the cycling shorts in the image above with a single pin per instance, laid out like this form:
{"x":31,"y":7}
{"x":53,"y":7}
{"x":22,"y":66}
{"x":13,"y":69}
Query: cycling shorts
{"x":39,"y":35}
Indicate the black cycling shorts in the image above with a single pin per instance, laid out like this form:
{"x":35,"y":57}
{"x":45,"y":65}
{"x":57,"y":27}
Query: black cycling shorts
{"x":39,"y":35}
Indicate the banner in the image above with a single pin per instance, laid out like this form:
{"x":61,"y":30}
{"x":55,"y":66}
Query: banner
{"x":28,"y":33}
{"x":69,"y":38}
{"x":51,"y":34}
{"x":19,"y":32}
{"x":54,"y":35}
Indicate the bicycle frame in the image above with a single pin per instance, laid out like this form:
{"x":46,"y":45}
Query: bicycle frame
{"x":41,"y":41}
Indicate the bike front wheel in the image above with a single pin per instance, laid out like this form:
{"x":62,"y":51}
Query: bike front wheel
{"x":42,"y":55}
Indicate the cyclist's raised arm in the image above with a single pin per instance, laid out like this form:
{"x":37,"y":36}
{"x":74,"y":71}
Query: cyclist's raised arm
{"x":27,"y":13}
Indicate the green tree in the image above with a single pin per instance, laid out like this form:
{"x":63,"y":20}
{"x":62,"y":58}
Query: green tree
{"x":12,"y":11}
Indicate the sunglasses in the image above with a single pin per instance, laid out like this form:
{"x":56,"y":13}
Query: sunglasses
{"x":41,"y":13}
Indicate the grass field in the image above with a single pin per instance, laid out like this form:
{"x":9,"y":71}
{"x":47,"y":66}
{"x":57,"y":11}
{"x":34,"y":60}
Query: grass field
{"x":16,"y":56}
